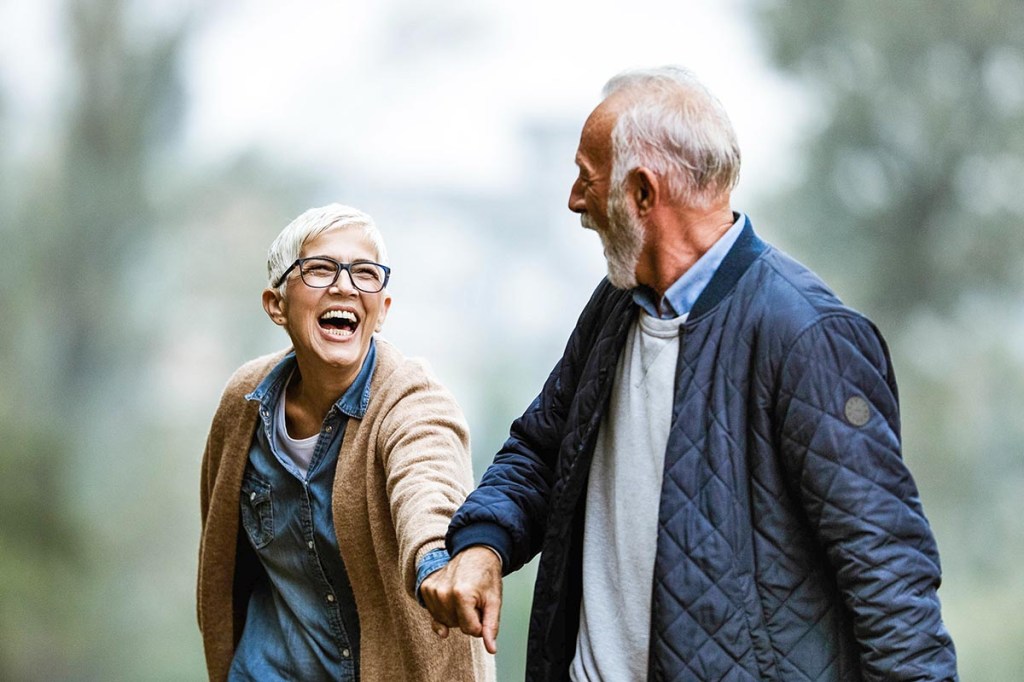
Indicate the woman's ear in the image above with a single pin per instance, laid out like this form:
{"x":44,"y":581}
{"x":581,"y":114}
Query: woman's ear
{"x":385,"y":306}
{"x":273,"y":303}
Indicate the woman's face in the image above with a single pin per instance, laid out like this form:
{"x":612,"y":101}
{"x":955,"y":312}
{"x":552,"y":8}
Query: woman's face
{"x":331,"y":328}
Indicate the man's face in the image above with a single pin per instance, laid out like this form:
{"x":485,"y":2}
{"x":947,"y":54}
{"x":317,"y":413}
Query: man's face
{"x":331,"y":327}
{"x":623,"y":240}
{"x":602,"y":208}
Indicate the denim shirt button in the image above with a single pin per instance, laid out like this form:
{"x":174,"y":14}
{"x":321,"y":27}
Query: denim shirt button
{"x":330,"y":598}
{"x":345,"y":653}
{"x":310,"y":544}
{"x":329,"y":429}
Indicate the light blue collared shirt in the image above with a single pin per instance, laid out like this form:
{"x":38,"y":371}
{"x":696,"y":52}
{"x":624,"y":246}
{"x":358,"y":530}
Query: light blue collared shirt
{"x":684,"y":292}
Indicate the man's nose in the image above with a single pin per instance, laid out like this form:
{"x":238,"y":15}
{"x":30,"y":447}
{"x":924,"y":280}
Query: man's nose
{"x":576,"y":202}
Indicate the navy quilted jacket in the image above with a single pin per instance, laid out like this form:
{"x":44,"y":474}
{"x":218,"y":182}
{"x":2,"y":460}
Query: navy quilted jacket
{"x":791,"y":543}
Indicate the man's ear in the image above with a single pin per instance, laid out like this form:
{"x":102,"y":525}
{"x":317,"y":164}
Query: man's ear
{"x":273,"y":303}
{"x":645,"y":190}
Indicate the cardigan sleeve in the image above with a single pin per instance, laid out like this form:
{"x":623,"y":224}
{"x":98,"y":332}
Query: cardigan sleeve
{"x":424,"y":446}
{"x":838,"y":430}
{"x":204,"y":506}
{"x":207,"y":478}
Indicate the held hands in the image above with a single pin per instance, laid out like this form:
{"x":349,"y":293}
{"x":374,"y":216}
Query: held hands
{"x":466,"y":594}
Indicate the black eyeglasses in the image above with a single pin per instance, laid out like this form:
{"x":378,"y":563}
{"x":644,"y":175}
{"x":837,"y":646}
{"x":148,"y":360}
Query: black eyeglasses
{"x":321,"y":272}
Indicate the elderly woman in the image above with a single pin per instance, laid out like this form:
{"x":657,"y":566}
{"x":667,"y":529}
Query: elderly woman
{"x":330,"y":474}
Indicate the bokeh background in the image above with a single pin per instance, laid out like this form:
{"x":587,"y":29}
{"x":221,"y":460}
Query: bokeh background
{"x":150,"y":151}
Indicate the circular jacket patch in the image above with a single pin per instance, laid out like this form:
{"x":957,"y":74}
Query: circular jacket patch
{"x":857,"y":411}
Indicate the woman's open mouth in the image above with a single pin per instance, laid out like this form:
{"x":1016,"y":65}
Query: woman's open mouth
{"x":339,"y":322}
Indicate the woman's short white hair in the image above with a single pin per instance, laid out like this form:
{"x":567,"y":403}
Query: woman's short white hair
{"x":673,"y":125}
{"x":314,"y":222}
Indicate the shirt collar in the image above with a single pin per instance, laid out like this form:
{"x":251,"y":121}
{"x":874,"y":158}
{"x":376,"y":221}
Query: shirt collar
{"x":353,"y":402}
{"x":683,"y":293}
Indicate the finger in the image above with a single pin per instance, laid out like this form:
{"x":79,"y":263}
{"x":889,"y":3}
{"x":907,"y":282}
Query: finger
{"x":439,"y":603}
{"x":440,"y":629}
{"x":492,"y":614}
{"x":468,"y":615}
{"x":447,"y":617}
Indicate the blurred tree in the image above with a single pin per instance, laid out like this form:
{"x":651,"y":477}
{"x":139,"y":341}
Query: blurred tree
{"x":908,"y":201}
{"x":101,"y":214}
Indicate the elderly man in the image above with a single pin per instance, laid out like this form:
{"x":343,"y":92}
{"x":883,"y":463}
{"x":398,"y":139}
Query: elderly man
{"x":712,"y":472}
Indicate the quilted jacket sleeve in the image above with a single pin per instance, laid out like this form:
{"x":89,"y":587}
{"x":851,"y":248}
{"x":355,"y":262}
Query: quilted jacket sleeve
{"x":509,"y":509}
{"x":838,"y":429}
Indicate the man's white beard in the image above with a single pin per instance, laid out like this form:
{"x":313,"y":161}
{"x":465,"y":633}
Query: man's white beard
{"x":623,"y":241}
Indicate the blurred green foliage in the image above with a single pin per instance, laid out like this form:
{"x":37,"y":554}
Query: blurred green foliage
{"x":909,"y":201}
{"x":109,"y":243}
{"x":126,"y":290}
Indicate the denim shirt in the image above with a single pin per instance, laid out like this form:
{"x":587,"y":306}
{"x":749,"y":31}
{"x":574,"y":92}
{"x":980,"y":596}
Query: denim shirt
{"x":301,"y":621}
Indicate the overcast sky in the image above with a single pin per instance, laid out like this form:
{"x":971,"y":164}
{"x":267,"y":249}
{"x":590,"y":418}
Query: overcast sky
{"x":425,"y":96}
{"x":433,"y":92}
{"x":420,"y":93}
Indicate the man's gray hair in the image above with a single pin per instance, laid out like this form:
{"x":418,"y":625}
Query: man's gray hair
{"x":673,"y":125}
{"x":314,"y":222}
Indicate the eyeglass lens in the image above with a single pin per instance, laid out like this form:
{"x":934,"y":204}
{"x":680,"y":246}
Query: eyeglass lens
{"x":321,"y":273}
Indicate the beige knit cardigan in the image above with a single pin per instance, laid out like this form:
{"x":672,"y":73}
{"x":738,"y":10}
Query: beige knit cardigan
{"x":402,"y":472}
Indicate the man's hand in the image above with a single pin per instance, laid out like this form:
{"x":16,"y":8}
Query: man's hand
{"x":466,"y":594}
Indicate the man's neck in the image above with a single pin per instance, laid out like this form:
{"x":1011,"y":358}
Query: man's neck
{"x":676,"y":239}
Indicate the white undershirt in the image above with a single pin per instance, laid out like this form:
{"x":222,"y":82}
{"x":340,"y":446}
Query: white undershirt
{"x":300,"y":451}
{"x":620,"y":534}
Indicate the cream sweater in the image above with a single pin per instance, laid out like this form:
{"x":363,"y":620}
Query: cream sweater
{"x":402,"y":472}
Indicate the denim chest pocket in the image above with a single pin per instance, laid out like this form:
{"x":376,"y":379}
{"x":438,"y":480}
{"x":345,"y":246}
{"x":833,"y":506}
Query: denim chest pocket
{"x":257,"y":510}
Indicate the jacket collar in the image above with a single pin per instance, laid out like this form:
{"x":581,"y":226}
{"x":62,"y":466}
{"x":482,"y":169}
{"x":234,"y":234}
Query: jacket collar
{"x":745,"y":251}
